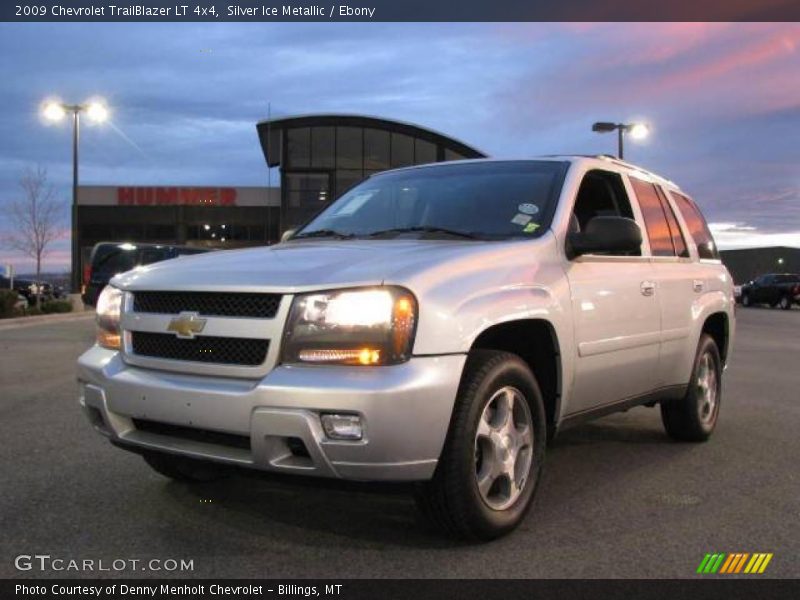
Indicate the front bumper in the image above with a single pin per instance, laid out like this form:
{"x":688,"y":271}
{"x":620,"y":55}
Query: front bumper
{"x":405,"y":410}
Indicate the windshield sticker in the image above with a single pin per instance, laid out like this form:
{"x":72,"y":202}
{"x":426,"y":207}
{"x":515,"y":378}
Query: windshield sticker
{"x":528,"y":209}
{"x":355,"y":203}
{"x":521,"y":219}
{"x":530,"y":227}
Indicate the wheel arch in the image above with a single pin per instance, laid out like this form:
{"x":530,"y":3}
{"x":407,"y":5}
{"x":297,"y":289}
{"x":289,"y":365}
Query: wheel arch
{"x":717,"y":325}
{"x":536,"y":342}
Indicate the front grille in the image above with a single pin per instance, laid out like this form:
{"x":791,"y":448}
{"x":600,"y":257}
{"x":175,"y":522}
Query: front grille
{"x":212,"y":304}
{"x":193,"y":434}
{"x":204,"y":348}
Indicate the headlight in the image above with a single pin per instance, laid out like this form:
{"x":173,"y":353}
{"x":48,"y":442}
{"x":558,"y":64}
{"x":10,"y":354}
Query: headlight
{"x":367,"y":326}
{"x":109,"y":306}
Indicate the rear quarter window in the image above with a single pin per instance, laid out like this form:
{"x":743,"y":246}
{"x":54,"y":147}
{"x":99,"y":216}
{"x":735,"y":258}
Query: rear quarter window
{"x":698,"y":228}
{"x":658,"y":230}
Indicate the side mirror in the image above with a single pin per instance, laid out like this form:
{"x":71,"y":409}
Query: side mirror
{"x":287,"y":234}
{"x":605,"y":234}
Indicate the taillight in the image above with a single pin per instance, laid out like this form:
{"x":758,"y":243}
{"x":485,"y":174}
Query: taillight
{"x":87,"y":274}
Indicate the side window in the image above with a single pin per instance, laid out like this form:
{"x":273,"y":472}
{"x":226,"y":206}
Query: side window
{"x":601,"y":193}
{"x":698,"y":229}
{"x":654,"y":218}
{"x":674,"y":228}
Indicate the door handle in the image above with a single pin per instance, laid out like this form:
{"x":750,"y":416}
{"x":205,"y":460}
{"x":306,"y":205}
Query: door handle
{"x":698,"y":285}
{"x":648,"y":288}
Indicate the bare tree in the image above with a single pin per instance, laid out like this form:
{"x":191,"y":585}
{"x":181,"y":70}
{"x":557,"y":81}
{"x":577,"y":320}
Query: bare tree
{"x":35,"y":218}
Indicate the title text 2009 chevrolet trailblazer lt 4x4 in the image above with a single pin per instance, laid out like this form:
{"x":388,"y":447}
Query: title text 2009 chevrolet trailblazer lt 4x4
{"x":434,"y":324}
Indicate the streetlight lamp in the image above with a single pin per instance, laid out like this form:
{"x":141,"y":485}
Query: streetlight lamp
{"x":55,"y":111}
{"x":637,"y":131}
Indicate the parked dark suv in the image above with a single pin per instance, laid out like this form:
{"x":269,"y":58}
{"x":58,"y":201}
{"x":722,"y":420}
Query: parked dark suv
{"x":775,"y":289}
{"x":111,"y":258}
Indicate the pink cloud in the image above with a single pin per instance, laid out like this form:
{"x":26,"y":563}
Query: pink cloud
{"x":714,"y":68}
{"x":778,"y":44}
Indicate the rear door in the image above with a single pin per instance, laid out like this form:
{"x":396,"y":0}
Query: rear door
{"x":616,"y":312}
{"x":678,"y":281}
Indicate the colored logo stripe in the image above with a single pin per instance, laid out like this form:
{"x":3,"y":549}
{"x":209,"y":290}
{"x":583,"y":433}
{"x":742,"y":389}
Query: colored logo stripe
{"x":720,"y":562}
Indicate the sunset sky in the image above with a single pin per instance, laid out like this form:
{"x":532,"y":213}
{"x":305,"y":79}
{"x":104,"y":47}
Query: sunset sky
{"x":723,"y":101}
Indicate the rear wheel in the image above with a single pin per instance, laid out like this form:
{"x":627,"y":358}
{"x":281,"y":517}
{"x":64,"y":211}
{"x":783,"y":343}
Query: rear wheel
{"x":181,"y":468}
{"x":785,"y":303}
{"x":492,"y":460}
{"x":693,"y":417}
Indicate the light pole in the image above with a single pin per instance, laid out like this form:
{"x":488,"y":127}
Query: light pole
{"x":56,"y":111}
{"x":637,"y":131}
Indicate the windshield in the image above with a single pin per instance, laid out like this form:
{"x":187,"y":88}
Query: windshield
{"x":481,"y":200}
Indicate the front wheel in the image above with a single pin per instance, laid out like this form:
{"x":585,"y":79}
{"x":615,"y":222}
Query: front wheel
{"x":693,"y":417}
{"x":492,"y":459}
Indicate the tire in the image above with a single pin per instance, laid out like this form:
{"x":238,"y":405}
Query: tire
{"x":183,"y":469}
{"x":785,"y":303}
{"x":481,"y":443}
{"x":746,"y":300}
{"x":693,"y":417}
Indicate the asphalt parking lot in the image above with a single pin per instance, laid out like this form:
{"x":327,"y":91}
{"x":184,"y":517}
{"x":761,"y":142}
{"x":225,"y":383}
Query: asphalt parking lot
{"x":618,"y":498}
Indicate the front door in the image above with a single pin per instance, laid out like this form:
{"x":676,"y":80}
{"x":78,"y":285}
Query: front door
{"x":615,"y":307}
{"x":617,"y":329}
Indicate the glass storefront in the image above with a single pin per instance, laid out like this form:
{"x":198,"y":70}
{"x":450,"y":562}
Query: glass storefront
{"x":321,"y":157}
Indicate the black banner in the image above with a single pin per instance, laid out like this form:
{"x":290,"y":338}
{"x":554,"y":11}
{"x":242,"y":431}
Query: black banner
{"x":399,"y":10}
{"x":430,"y":589}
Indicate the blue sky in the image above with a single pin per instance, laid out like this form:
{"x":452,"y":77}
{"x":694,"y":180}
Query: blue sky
{"x":723,"y":101}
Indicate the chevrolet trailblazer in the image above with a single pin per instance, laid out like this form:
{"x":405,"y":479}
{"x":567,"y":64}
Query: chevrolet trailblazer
{"x":435,"y":324}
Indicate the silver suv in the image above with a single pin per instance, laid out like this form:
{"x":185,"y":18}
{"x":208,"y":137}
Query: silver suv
{"x":435,"y":324}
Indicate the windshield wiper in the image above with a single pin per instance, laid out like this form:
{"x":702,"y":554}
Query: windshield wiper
{"x":320,"y":233}
{"x":426,"y":229}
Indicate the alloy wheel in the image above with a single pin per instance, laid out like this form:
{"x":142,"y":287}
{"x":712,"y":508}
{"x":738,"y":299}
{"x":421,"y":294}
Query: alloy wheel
{"x":503,"y":448}
{"x":707,"y":389}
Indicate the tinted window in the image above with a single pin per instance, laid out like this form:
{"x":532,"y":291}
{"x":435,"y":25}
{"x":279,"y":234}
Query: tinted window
{"x":494,"y":200}
{"x":189,"y":251}
{"x":297,"y":147}
{"x":349,"y":147}
{"x":452,"y":155}
{"x":787,"y":278}
{"x":424,"y":152}
{"x":376,"y":149}
{"x":151,"y":255}
{"x":654,"y":219}
{"x":674,"y":228}
{"x":706,"y":248}
{"x":402,"y":150}
{"x":601,"y":193}
{"x":114,"y":259}
{"x":323,"y":147}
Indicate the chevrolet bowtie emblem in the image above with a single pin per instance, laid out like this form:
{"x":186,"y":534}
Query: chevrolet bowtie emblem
{"x":186,"y":325}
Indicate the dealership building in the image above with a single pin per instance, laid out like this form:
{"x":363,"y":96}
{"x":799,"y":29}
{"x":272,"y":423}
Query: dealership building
{"x":748,"y":263}
{"x":319,"y":157}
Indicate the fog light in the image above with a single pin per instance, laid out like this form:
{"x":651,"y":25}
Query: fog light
{"x":342,"y":427}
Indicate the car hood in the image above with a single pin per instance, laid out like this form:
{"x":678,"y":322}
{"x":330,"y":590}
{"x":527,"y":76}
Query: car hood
{"x":301,"y":266}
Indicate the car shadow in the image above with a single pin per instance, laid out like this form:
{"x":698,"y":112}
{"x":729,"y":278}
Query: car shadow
{"x":265,"y":505}
{"x":378,"y":516}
